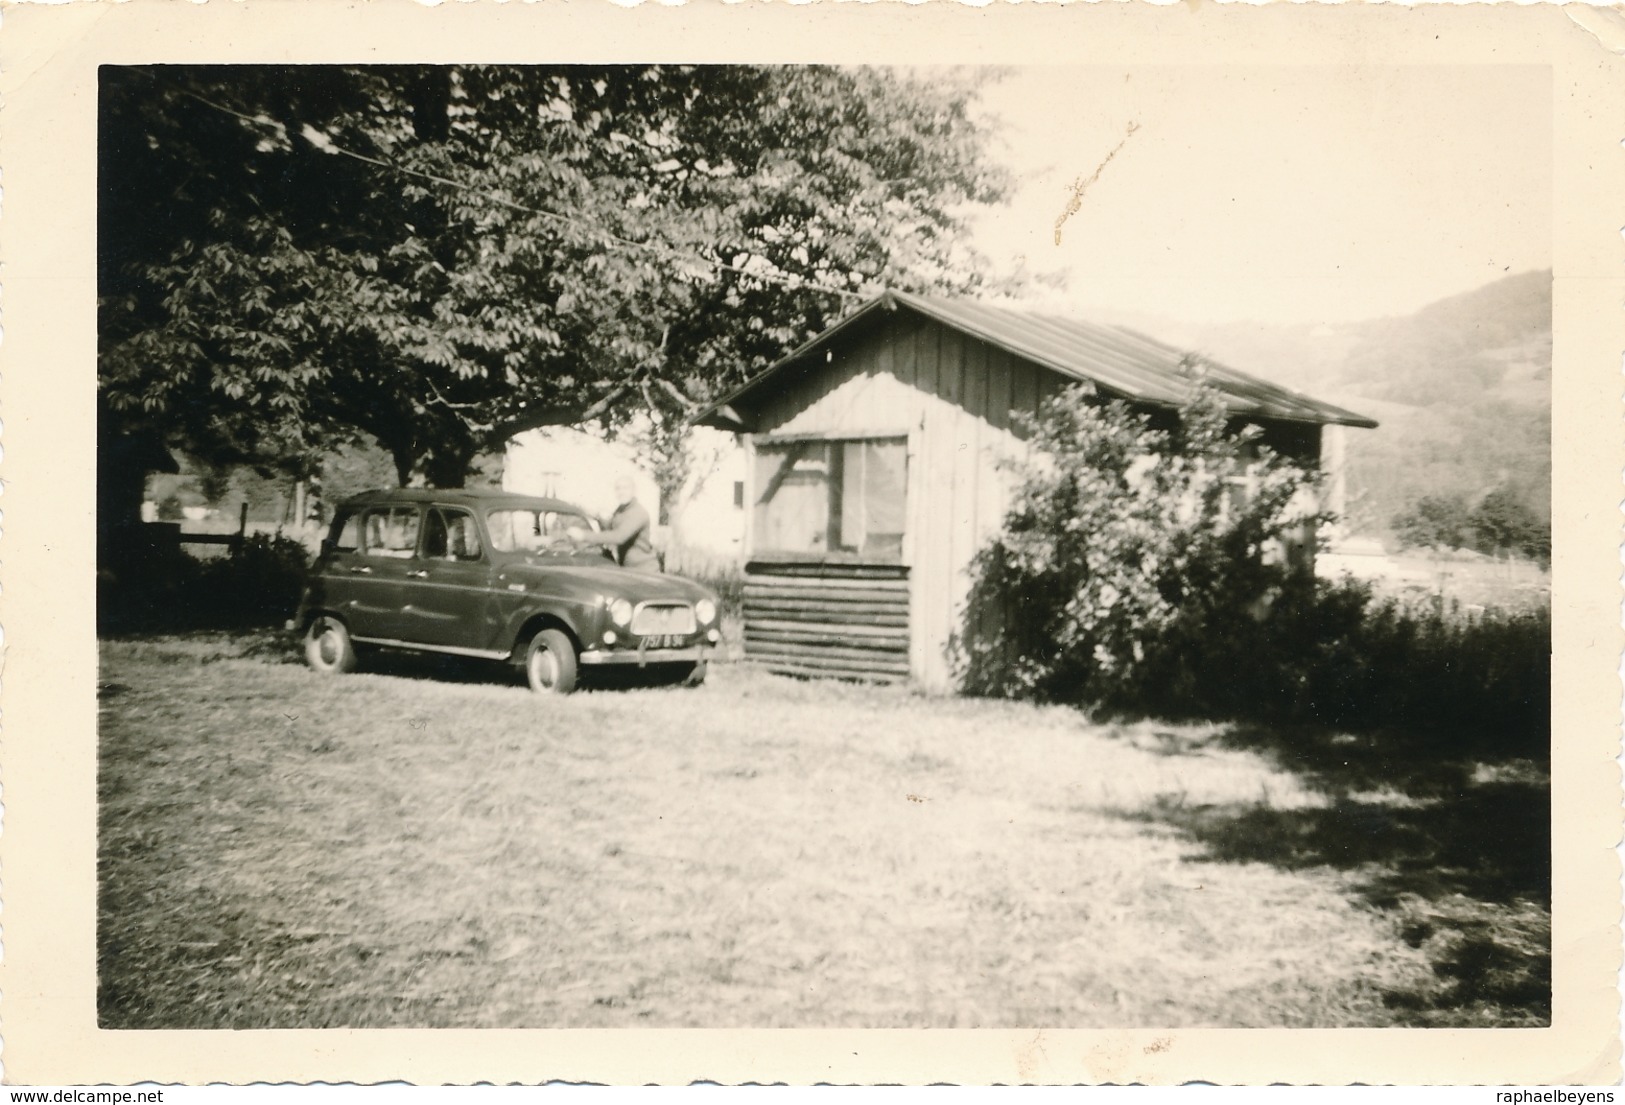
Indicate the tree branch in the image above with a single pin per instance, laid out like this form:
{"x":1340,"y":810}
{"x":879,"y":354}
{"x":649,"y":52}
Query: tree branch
{"x":687,"y":404}
{"x":477,"y":428}
{"x":554,"y":415}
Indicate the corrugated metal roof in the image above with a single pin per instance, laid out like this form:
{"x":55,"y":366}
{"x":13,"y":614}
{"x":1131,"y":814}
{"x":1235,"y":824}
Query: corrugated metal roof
{"x":1115,"y":358}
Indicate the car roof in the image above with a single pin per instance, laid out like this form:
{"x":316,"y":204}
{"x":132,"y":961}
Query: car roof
{"x":460,"y":497}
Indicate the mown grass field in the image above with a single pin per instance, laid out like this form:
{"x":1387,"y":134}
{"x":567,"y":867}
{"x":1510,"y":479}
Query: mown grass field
{"x":423,"y":845}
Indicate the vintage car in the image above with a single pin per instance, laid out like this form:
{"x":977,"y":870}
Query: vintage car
{"x":497,"y":576}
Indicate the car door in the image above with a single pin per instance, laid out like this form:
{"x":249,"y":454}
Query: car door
{"x":452,"y":605}
{"x":380,"y":588}
{"x":332,"y":584}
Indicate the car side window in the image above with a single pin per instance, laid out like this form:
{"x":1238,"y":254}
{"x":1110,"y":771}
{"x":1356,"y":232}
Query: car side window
{"x":451,"y":536}
{"x":391,"y":531}
{"x":346,"y":533}
{"x":558,"y":523}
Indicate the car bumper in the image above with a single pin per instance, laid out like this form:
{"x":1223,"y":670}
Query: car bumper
{"x":645,"y":656}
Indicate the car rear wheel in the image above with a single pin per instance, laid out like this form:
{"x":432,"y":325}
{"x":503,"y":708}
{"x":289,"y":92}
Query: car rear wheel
{"x":550,"y":663}
{"x":328,"y":648}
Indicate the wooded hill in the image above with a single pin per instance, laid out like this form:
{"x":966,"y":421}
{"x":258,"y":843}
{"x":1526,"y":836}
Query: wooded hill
{"x":1462,"y":389}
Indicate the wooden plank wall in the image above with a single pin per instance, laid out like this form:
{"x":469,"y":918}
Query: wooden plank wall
{"x":955,"y":396}
{"x":970,"y":391}
{"x":848,"y":621}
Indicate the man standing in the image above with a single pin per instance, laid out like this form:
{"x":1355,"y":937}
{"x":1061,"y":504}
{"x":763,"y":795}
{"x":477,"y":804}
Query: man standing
{"x":627,"y":532}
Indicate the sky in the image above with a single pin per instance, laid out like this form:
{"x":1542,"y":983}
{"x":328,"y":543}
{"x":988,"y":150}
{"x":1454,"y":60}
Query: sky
{"x":1290,"y":195}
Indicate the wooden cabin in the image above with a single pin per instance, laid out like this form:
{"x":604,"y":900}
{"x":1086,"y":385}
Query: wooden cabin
{"x":873,"y":472}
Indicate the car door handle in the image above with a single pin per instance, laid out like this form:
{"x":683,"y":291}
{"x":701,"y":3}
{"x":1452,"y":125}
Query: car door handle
{"x":362,"y":570}
{"x":419,"y":574}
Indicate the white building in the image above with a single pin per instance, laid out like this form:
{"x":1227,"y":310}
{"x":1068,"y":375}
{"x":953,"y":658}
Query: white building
{"x":581,"y":468}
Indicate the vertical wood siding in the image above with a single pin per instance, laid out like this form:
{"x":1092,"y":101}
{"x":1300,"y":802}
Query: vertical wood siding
{"x":954,"y":396}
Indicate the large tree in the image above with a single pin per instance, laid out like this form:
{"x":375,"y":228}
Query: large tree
{"x":442,"y":257}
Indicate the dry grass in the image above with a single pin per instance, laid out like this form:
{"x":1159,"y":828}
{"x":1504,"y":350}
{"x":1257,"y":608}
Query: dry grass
{"x":432,"y":846}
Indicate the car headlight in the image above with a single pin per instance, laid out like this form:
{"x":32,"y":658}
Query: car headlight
{"x":620,"y":612}
{"x":706,"y":611}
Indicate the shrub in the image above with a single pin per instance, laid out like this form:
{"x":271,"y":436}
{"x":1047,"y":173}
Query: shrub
{"x":720,"y":573}
{"x":1501,"y":523}
{"x":1483,"y":681}
{"x":144,"y":585}
{"x":1125,"y":578}
{"x":1435,"y":521}
{"x":1329,"y":655}
{"x":1127,"y":545}
{"x":257,"y":585}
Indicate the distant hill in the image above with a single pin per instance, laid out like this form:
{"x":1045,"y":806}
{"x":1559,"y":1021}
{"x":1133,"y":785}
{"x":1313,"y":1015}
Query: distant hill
{"x":1462,"y":389}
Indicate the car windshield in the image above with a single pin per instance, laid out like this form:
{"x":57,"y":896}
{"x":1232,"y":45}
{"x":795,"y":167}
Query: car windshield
{"x":534,"y":530}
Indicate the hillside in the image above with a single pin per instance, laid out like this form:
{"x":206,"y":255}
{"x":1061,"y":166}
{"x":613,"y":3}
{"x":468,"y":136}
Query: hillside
{"x":1462,"y":388}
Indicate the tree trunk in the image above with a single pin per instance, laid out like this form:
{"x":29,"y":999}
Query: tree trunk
{"x":446,"y":468}
{"x":406,"y":459}
{"x":674,"y":524}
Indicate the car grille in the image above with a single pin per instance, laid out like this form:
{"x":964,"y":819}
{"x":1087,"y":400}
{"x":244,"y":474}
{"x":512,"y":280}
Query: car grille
{"x":675,"y":619}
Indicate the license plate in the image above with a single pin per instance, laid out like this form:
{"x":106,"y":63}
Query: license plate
{"x":663,"y":640}
{"x":663,"y":621}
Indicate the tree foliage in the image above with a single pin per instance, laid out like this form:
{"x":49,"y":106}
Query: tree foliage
{"x":440,"y":257}
{"x":1503,"y":523}
{"x":1436,"y":521}
{"x":1128,"y":540}
{"x":1500,"y":523}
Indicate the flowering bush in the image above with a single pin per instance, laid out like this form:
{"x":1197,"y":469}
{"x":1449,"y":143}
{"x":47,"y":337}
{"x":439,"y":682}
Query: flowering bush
{"x":1126,"y":543}
{"x":1131,"y":575}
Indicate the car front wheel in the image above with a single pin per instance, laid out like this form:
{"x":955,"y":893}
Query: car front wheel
{"x":328,"y":648}
{"x":550,"y":663}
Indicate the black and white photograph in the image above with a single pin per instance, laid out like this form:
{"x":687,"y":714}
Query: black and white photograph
{"x":1245,"y":568}
{"x":824,"y":544}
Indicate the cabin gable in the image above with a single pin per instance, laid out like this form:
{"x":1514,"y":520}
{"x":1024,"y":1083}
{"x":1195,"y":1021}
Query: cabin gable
{"x":949,"y":399}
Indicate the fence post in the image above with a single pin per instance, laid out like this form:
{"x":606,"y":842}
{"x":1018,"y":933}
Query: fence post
{"x":242,"y":527}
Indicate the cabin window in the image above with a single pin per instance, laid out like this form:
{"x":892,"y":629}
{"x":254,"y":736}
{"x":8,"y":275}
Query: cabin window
{"x":1240,"y":491}
{"x":1295,"y":547}
{"x":841,"y":498}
